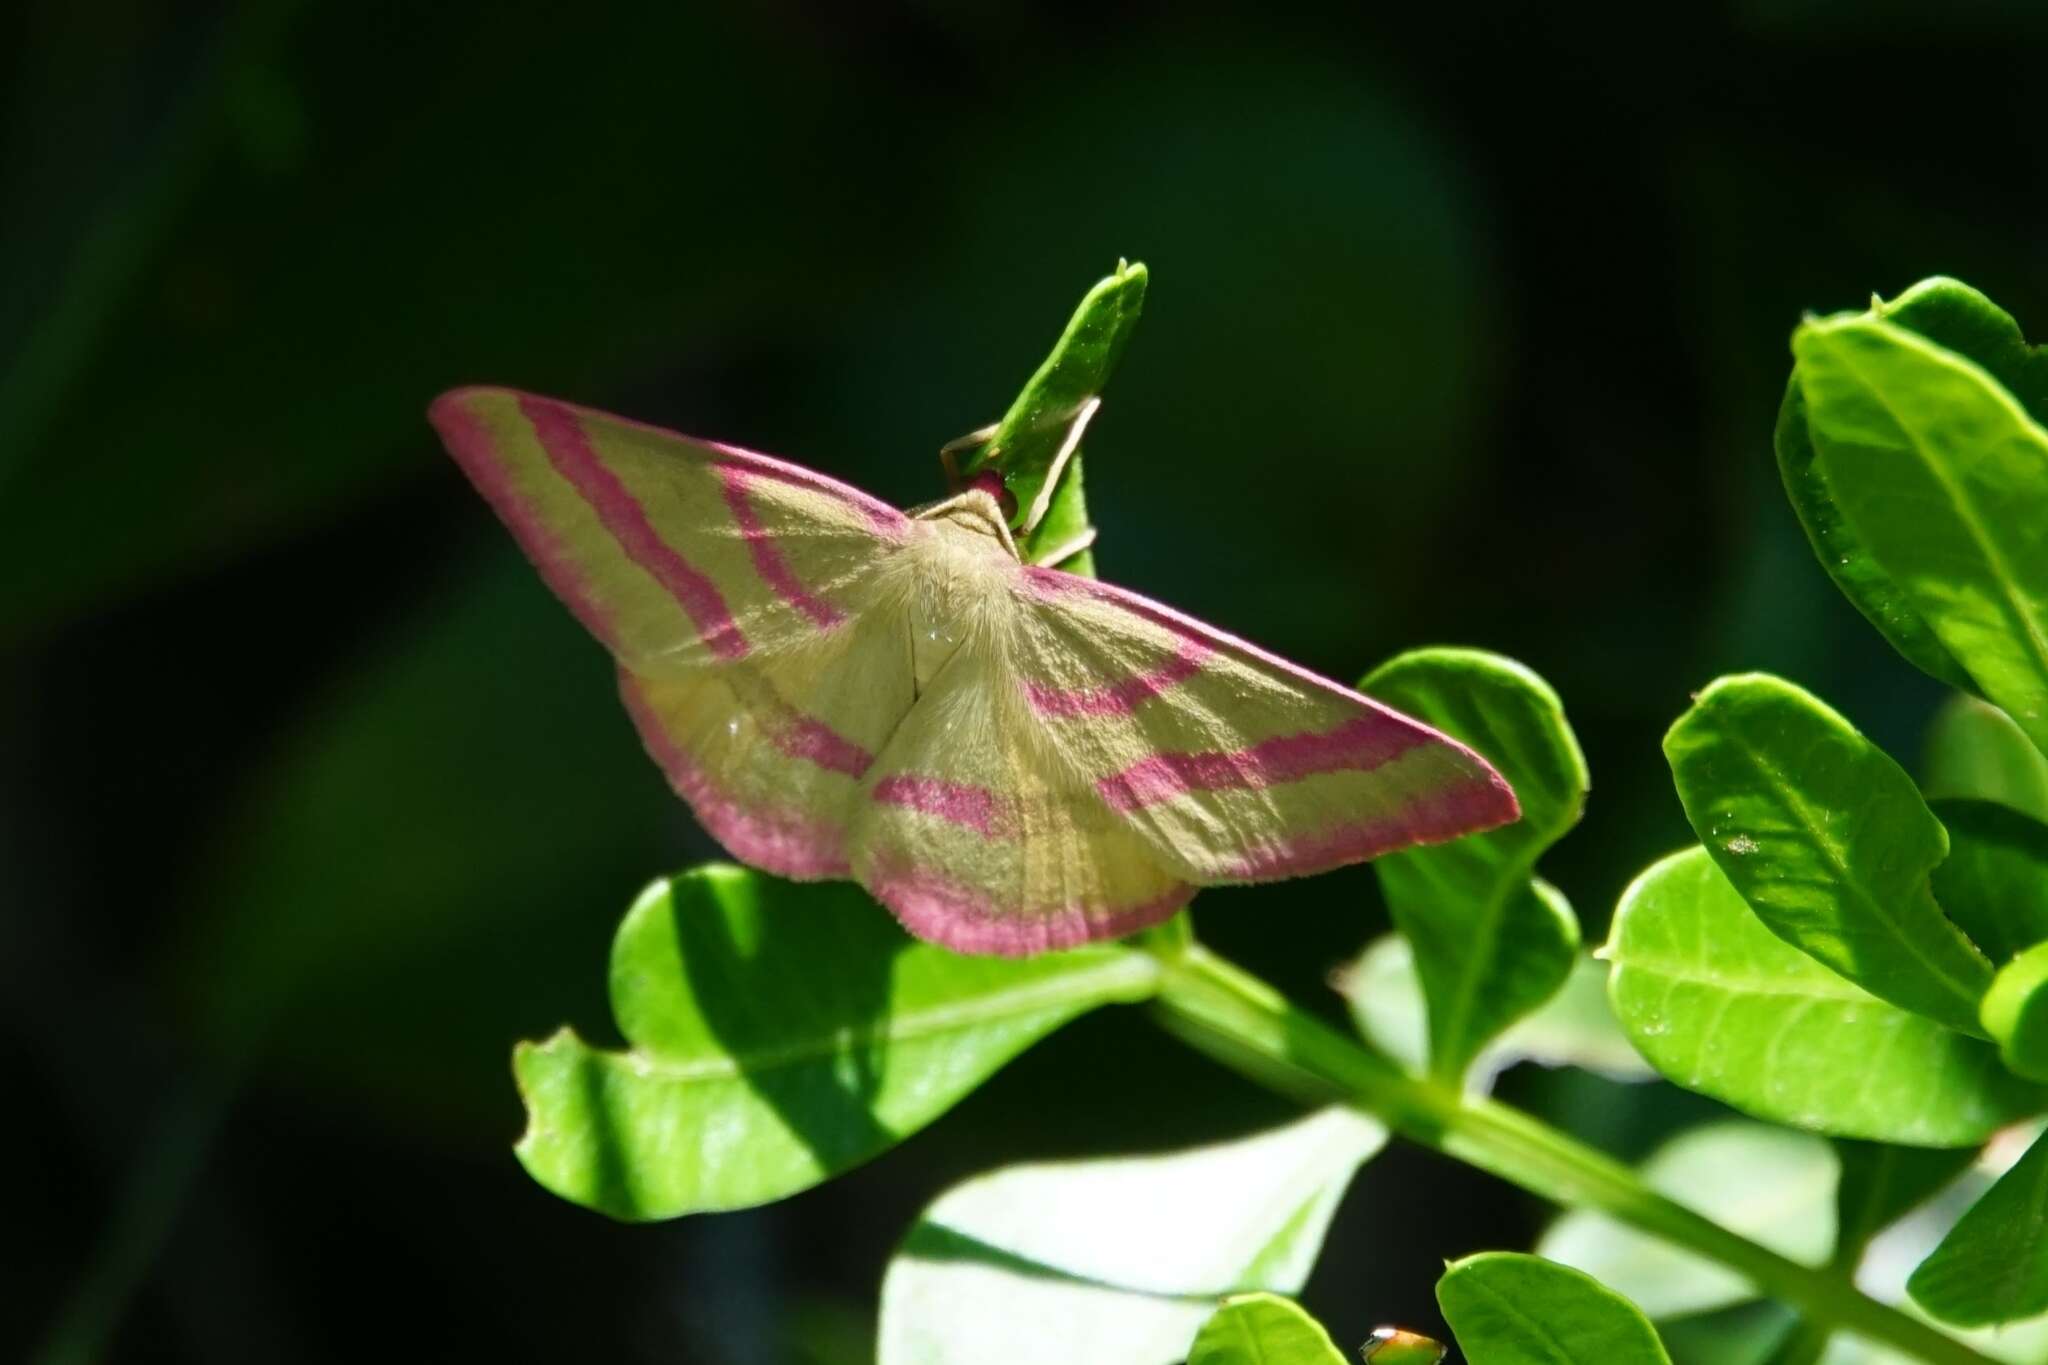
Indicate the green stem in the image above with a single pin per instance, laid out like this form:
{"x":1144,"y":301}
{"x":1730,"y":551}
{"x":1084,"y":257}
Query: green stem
{"x":1224,"y":1011}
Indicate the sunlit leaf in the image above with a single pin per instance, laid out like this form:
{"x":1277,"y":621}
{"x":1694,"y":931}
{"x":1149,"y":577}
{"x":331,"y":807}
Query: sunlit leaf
{"x":2016,"y":1013}
{"x":1263,"y":1329}
{"x":1974,"y":750}
{"x":1994,"y":882}
{"x":1490,"y":943}
{"x":1993,"y":1265}
{"x":1119,"y":1259}
{"x":780,"y":1033}
{"x":1509,"y":1309}
{"x":1721,"y":1005}
{"x":1951,"y":315}
{"x":1772,"y":1186}
{"x":1827,"y":839}
{"x":1575,"y":1027}
{"x":1943,"y":475}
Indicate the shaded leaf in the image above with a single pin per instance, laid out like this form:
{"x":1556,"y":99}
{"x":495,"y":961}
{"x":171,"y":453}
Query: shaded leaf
{"x":1994,"y":882}
{"x":1721,"y":1005}
{"x":1944,"y":476}
{"x":1490,"y":943}
{"x":1993,"y":1265}
{"x":780,"y":1034}
{"x":1772,"y":1186}
{"x":1748,"y":1334}
{"x":1119,"y":1259}
{"x":2016,"y":1014}
{"x":1028,"y":442}
{"x":1827,"y":839}
{"x":1882,"y":1183}
{"x":1509,"y":1309}
{"x":1575,"y":1027}
{"x":1263,"y":1329}
{"x":1975,"y":750}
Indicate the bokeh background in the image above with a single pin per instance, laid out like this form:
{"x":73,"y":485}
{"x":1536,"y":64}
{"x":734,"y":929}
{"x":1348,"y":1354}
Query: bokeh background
{"x":1467,"y":324}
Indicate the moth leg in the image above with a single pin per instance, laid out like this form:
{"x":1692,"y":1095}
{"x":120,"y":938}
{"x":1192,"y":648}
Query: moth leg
{"x":961,"y":445}
{"x":1066,"y":549}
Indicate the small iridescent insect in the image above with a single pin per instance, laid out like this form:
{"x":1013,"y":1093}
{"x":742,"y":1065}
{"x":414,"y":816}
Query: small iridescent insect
{"x":1398,"y":1346}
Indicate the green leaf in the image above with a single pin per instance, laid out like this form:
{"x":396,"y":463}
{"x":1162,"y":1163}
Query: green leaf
{"x":1994,"y":882}
{"x":1881,"y":1184}
{"x":1575,"y":1027}
{"x":1119,"y":1259}
{"x":1509,"y":1309}
{"x":1847,"y":560}
{"x":1944,"y":476}
{"x":1993,"y":1265}
{"x":2016,"y":1013}
{"x":1721,"y":1005}
{"x":1827,"y":839}
{"x":1772,"y":1186}
{"x":1491,"y":944}
{"x":1263,"y":1329}
{"x":1026,"y":445}
{"x":1951,"y":315}
{"x":780,"y":1034}
{"x":1975,"y":750}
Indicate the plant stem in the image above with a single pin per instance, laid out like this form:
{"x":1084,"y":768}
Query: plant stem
{"x":1222,"y":1010}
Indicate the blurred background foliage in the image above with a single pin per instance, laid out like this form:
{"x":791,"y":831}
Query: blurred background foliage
{"x":1467,"y":325}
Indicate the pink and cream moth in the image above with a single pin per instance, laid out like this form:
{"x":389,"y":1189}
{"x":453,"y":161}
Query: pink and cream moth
{"x":1011,"y":758}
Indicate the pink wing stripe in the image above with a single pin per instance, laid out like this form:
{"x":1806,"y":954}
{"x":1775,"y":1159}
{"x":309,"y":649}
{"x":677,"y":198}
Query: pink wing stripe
{"x":767,"y":556}
{"x":1120,"y":698}
{"x":881,"y":516}
{"x":812,"y":740}
{"x":1361,"y":743}
{"x":959,"y":803}
{"x":787,"y":843}
{"x":470,"y":442}
{"x":1431,"y":820}
{"x":569,"y":451}
{"x":966,"y":920}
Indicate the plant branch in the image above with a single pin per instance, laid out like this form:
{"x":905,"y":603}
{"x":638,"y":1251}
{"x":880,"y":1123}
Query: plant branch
{"x":1222,"y":1010}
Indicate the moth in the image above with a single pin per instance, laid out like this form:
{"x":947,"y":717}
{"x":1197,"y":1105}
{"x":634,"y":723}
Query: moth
{"x":1010,"y":758}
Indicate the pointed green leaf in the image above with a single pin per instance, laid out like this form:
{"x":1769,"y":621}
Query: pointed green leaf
{"x":1491,"y":944}
{"x":1721,"y":1005}
{"x":2016,"y":1013}
{"x":1119,"y":1259}
{"x":1263,"y":1329}
{"x":1827,"y":839}
{"x":1943,"y":475}
{"x":1772,"y":1186}
{"x":1027,"y":444}
{"x":1951,"y":315}
{"x":1994,"y":882}
{"x":1993,"y":1265}
{"x":1882,"y":1183}
{"x":1509,"y":1309}
{"x":1575,"y":1027}
{"x":1974,"y":750}
{"x":780,"y":1033}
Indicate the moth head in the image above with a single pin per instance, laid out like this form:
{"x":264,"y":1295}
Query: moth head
{"x":991,"y":482}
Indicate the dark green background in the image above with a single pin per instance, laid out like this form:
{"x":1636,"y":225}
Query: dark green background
{"x":1467,"y":324}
